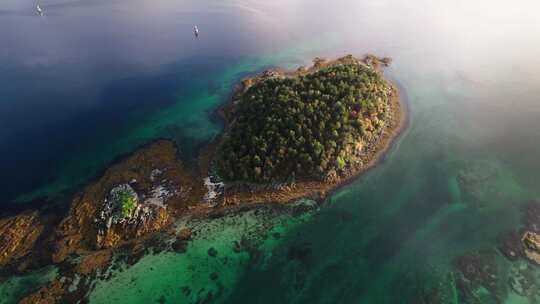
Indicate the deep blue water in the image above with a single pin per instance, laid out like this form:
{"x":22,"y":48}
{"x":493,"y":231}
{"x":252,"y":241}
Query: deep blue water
{"x":88,"y":70}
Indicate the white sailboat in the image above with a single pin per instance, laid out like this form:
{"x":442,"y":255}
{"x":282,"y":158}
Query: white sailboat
{"x":39,"y":10}
{"x":196,"y":31}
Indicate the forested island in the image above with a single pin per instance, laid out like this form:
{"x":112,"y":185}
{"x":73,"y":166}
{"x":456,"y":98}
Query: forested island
{"x":308,"y":125}
{"x":293,"y":134}
{"x":288,"y":135}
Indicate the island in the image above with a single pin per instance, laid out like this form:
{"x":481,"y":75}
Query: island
{"x":287,"y":135}
{"x":303,"y":133}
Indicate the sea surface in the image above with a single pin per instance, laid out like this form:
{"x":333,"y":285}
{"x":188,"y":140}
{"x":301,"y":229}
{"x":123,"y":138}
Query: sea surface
{"x":92,"y":80}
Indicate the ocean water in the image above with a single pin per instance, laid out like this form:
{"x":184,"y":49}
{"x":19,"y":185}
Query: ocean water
{"x":93,"y":79}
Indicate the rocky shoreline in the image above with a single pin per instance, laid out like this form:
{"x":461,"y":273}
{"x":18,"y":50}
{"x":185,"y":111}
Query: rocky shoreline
{"x":135,"y":205}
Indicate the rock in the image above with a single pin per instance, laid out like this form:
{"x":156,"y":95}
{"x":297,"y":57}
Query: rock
{"x":331,"y":176}
{"x":474,"y":272}
{"x":91,"y":223}
{"x":179,"y":246}
{"x":246,"y":83}
{"x":186,"y":290}
{"x":302,"y":207}
{"x":531,"y":241}
{"x":510,"y":246}
{"x":50,"y":294}
{"x":185,"y":234}
{"x":161,"y":300}
{"x":93,"y":262}
{"x":18,"y":235}
{"x":153,"y":221}
{"x":318,"y":62}
{"x":299,"y":252}
{"x":531,"y":217}
{"x":212,"y":252}
{"x":386,"y":61}
{"x":155,"y":174}
{"x":113,"y":207}
{"x":215,"y":188}
{"x":237,"y":247}
{"x":522,"y":279}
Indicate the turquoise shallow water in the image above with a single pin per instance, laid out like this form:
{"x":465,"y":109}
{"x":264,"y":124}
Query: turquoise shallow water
{"x":186,"y":277}
{"x":471,"y":76}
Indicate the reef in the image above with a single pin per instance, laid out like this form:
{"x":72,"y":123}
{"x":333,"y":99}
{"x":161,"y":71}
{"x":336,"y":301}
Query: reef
{"x":489,"y":277}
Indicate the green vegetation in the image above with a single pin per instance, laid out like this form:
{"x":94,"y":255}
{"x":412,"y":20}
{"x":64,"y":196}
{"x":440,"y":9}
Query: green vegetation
{"x":127,"y":202}
{"x":305,"y":125}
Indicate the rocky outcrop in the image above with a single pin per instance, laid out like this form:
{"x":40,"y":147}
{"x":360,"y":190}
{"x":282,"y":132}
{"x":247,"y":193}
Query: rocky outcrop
{"x":50,"y":294}
{"x":510,"y":246}
{"x":76,"y":227}
{"x":93,"y":262}
{"x":157,"y":184}
{"x":531,"y":243}
{"x":18,"y":235}
{"x":116,"y":221}
{"x":150,"y":221}
{"x":373,"y":60}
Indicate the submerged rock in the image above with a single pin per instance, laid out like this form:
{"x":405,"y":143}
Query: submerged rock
{"x":303,"y":206}
{"x":486,"y":184}
{"x":299,"y":252}
{"x":476,"y":274}
{"x":511,"y":246}
{"x":212,"y":252}
{"x":531,"y":217}
{"x":179,"y":246}
{"x":522,"y":279}
{"x":185,"y":234}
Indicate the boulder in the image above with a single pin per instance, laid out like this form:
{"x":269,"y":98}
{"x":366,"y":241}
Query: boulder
{"x":531,"y":242}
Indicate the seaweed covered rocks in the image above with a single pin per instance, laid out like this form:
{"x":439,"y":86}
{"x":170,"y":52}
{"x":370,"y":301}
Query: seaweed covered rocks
{"x":18,"y":235}
{"x":134,"y":197}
